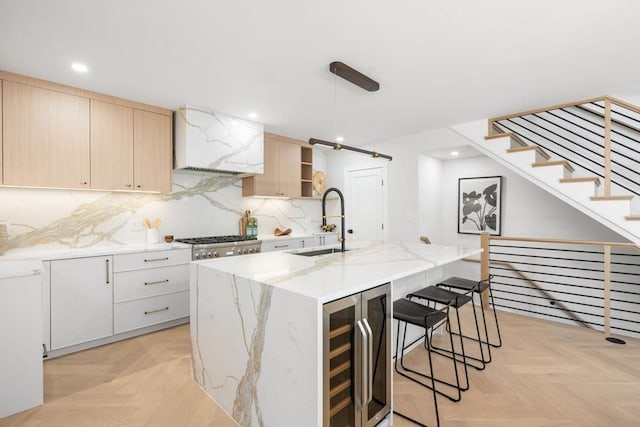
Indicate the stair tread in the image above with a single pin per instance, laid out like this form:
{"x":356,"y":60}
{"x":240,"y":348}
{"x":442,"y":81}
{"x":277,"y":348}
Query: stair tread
{"x":593,"y":179}
{"x":512,"y":135}
{"x":564,"y":163}
{"x":529,"y":148}
{"x":604,"y":198}
{"x":498,"y":135}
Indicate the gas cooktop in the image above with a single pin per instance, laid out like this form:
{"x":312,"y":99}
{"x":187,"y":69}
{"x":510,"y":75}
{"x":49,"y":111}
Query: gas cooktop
{"x":221,"y":246}
{"x":209,"y":240}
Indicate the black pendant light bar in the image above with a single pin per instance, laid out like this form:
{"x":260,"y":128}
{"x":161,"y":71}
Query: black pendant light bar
{"x":354,"y":76}
{"x":337,"y":146}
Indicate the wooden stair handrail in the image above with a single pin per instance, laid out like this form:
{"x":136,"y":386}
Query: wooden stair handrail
{"x":567,"y":241}
{"x":540,"y":110}
{"x":539,"y":288}
{"x":624,"y":104}
{"x":613,"y":100}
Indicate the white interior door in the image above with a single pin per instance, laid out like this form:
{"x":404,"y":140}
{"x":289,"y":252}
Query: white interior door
{"x":364,"y":204}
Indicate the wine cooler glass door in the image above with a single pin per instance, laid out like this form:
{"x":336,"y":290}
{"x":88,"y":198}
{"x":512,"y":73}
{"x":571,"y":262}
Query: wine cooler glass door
{"x":341,"y":375}
{"x":376,"y":314}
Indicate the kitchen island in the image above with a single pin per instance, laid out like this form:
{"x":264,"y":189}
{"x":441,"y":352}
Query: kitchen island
{"x":257,"y":321}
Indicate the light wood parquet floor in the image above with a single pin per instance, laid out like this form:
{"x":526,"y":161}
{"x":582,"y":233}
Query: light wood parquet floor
{"x":546,"y":374}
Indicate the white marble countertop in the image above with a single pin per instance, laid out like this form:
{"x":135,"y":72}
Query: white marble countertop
{"x":44,"y":254}
{"x":328,"y":277}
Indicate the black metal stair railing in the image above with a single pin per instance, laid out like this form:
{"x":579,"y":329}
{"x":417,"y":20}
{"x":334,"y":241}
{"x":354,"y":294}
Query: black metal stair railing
{"x":592,"y":284}
{"x":578,"y":133}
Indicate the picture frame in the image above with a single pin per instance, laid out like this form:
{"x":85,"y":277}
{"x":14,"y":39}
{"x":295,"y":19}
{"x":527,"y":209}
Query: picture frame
{"x":480,"y":205}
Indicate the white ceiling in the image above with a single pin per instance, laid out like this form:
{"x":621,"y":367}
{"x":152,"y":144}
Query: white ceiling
{"x":438,"y":62}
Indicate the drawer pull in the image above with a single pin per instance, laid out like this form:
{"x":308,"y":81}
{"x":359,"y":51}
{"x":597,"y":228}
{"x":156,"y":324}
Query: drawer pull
{"x":156,"y":259}
{"x":156,"y":282}
{"x":281,"y":246}
{"x":156,"y":311}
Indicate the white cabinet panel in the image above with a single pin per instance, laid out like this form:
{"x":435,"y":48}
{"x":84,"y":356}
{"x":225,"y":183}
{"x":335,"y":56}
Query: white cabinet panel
{"x":152,"y":259}
{"x":281,"y":245}
{"x":143,"y":312}
{"x":21,"y":385}
{"x":81,"y":300}
{"x":136,"y":284}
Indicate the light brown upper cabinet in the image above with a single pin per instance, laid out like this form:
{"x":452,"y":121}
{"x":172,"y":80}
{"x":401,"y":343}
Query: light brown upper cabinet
{"x":59,"y":136}
{"x":282,"y":176}
{"x":111,"y":146}
{"x":130,"y":148}
{"x":45,"y":137}
{"x":152,"y":155}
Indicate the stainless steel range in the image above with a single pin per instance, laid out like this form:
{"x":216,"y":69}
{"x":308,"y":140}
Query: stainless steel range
{"x":221,"y":246}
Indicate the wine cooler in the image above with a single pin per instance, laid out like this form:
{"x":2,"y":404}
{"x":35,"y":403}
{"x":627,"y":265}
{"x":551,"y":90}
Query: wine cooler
{"x":357,"y":365}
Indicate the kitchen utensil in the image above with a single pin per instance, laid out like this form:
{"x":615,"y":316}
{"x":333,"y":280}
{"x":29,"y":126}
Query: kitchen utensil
{"x":278,"y":232}
{"x":147,"y":223}
{"x":243,"y":226}
{"x":157,"y":222}
{"x":168,"y":238}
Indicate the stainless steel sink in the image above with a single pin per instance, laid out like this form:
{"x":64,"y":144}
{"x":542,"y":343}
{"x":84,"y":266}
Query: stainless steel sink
{"x":319,"y":252}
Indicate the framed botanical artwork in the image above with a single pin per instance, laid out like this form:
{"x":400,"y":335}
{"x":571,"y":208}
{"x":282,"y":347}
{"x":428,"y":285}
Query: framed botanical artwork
{"x":479,"y":205}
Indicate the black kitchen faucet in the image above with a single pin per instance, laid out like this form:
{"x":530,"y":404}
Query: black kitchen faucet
{"x":324,"y":213}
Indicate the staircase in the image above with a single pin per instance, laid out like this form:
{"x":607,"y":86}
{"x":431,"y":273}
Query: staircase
{"x":587,"y":153}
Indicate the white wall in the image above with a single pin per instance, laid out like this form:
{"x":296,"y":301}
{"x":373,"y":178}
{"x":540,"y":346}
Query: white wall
{"x":527,"y":210}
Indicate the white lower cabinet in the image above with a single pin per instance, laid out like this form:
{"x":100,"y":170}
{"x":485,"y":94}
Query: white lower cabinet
{"x":283,"y":244}
{"x":286,"y":243}
{"x":150,"y":288}
{"x":92,"y":299}
{"x":148,"y":311}
{"x":81,"y":300}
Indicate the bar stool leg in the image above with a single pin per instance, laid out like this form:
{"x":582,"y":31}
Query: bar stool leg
{"x":433,"y":384}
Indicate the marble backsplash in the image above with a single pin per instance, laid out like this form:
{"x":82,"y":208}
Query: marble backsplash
{"x":200,"y":204}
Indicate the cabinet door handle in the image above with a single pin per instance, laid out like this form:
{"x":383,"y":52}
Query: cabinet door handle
{"x":156,"y":311}
{"x":281,"y":246}
{"x":369,"y":372}
{"x":156,"y":259}
{"x":364,"y":368}
{"x":106,"y":264}
{"x":156,"y":282}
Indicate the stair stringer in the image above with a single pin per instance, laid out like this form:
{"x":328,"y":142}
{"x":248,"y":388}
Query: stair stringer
{"x":475,"y":133}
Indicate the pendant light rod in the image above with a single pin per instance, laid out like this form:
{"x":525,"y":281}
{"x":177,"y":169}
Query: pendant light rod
{"x":354,"y":76}
{"x":337,"y":146}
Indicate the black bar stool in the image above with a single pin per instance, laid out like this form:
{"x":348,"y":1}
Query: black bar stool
{"x":477,"y":288}
{"x":436,"y":295}
{"x":428,"y":318}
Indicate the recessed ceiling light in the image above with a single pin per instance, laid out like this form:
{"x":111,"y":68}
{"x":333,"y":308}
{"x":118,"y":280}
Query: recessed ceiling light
{"x":339,"y":139}
{"x":81,"y":68}
{"x":252,"y":115}
{"x":454,"y":153}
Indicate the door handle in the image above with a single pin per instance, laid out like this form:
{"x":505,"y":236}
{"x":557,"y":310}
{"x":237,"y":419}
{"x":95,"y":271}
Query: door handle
{"x":106,"y":264}
{"x":350,"y":231}
{"x":369,"y":356}
{"x":361,"y":383}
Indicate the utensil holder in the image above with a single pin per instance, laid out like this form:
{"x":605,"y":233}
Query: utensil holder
{"x":153,"y":236}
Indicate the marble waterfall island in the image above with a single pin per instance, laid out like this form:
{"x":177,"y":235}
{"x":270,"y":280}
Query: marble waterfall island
{"x":256,"y":323}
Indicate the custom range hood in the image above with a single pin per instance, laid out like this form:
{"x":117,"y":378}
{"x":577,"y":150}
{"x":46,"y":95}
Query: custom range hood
{"x":209,"y":141}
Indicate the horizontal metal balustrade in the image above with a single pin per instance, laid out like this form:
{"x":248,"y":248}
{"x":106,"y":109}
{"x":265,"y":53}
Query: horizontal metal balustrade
{"x":591,"y":284}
